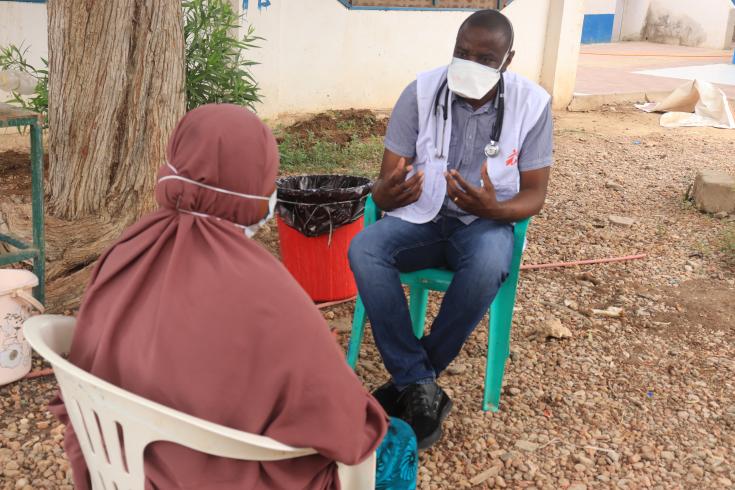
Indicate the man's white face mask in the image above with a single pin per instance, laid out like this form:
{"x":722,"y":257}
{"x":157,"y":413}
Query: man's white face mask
{"x":472,"y":80}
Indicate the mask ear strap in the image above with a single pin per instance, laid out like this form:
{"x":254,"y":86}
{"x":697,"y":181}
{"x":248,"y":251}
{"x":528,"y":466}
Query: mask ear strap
{"x":212,"y":188}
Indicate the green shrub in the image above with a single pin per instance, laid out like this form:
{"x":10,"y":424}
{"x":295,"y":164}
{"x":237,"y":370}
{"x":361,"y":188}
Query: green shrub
{"x":216,"y":70}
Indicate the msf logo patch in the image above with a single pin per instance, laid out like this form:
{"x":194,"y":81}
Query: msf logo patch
{"x":512,"y":159}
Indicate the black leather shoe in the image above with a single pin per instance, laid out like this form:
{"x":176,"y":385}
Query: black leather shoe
{"x":387,"y":395}
{"x":424,"y":407}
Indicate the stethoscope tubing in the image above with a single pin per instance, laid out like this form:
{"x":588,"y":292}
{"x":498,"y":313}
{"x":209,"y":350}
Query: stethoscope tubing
{"x":497,"y":130}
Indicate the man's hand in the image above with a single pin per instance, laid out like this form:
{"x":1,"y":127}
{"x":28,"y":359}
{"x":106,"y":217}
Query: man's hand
{"x":392,"y":190}
{"x":483,"y":203}
{"x":480,"y":201}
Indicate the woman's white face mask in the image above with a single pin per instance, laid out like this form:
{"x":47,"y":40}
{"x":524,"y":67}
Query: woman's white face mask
{"x":251,"y":230}
{"x":472,"y":80}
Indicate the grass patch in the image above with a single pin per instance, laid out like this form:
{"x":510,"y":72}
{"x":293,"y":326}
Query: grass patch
{"x":346,"y":142}
{"x":728,"y":244}
{"x":312,"y":155}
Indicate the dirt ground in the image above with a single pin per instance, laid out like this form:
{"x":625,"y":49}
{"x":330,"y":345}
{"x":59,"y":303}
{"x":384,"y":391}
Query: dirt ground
{"x":339,"y":126}
{"x":639,"y":400}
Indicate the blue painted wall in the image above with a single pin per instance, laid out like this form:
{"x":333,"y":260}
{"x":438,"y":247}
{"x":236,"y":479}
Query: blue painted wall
{"x":597,"y":28}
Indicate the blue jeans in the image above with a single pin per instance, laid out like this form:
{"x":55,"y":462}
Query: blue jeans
{"x":478,"y":253}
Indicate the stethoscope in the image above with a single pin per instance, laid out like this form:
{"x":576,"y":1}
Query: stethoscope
{"x":492,"y":149}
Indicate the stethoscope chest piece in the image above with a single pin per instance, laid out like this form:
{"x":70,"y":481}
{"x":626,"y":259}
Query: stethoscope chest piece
{"x":492,"y":149}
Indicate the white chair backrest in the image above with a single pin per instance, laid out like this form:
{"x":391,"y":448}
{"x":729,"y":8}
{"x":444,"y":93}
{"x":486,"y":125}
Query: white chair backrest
{"x":115,"y":426}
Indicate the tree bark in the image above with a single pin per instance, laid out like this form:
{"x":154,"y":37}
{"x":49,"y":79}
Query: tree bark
{"x":116,"y":91}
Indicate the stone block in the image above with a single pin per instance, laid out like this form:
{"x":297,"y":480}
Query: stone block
{"x":714,"y":192}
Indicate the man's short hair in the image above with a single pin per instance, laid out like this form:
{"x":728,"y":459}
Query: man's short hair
{"x":493,"y":21}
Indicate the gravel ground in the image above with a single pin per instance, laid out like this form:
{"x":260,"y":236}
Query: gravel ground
{"x":639,"y":397}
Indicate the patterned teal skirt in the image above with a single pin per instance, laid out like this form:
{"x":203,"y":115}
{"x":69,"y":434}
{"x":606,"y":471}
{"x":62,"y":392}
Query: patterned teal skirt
{"x":397,"y":458}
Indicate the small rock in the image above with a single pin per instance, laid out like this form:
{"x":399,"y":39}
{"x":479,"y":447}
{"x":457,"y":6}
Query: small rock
{"x":696,"y":470}
{"x":456,"y":369}
{"x":648,"y":453}
{"x":634,"y":458}
{"x":580,"y":395}
{"x":486,"y":475}
{"x":513,"y":391}
{"x":571,"y":304}
{"x":329,"y":315}
{"x":725,"y":482}
{"x":667,"y":455}
{"x":527,"y":446}
{"x":341,"y":325}
{"x":42,"y":425}
{"x":554,"y":328}
{"x":581,"y":458}
{"x":621,"y":221}
{"x":578,"y":486}
{"x":610,"y":312}
{"x":20,"y":484}
{"x":721,"y":215}
{"x":613,"y":185}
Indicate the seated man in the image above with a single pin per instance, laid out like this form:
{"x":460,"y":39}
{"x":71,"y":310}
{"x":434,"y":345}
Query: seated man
{"x":467,"y":153}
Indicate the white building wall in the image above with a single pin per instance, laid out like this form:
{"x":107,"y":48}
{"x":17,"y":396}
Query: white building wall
{"x":702,"y":23}
{"x":25,"y":23}
{"x":595,"y":7}
{"x":319,"y":55}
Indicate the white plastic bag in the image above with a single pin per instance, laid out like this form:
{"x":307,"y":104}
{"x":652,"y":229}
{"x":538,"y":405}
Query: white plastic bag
{"x":17,"y":81}
{"x":694,"y":104}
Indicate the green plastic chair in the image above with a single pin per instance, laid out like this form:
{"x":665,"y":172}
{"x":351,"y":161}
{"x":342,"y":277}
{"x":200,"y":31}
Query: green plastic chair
{"x":423,"y":281}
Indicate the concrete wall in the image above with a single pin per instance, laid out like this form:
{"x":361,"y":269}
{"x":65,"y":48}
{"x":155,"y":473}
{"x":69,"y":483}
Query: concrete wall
{"x":319,"y":55}
{"x":599,"y":17}
{"x":25,"y":23}
{"x":599,"y":6}
{"x":702,"y":23}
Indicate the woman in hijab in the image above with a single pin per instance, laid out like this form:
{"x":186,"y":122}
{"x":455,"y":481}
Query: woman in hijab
{"x":187,"y":311}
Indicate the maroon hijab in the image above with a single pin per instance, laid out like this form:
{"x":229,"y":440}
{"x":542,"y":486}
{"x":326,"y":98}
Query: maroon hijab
{"x":188,"y":312}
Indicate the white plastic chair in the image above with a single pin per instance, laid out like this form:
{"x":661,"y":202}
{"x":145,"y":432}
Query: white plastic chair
{"x":99,"y":411}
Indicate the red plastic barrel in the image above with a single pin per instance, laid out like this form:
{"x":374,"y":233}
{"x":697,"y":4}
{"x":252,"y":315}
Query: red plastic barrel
{"x":319,"y":265}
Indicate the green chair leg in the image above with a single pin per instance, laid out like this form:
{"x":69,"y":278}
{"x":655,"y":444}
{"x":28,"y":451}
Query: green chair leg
{"x":498,"y":343}
{"x":497,"y":346}
{"x":358,"y":330}
{"x":418,"y":303}
{"x":501,"y":320}
{"x":39,"y":241}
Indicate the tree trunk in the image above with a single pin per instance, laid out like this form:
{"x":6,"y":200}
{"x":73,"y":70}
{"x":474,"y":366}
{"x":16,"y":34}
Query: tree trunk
{"x":116,"y":90}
